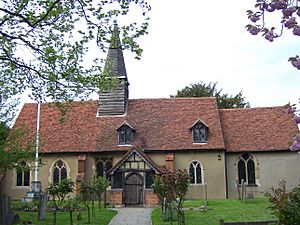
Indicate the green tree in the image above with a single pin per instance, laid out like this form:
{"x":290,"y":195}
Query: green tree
{"x":224,"y":101}
{"x":99,"y":185}
{"x":45,"y":44}
{"x":58,"y":193}
{"x":87,"y":194}
{"x":173,"y":185}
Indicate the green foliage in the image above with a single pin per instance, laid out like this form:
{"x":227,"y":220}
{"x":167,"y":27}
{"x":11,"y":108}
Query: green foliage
{"x":44,"y":44}
{"x":58,"y":193}
{"x":99,"y":185}
{"x":13,"y":151}
{"x":224,"y":101}
{"x":87,"y":196}
{"x":173,"y":185}
{"x":286,"y":206}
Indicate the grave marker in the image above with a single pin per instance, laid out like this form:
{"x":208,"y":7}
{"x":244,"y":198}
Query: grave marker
{"x":6,"y":214}
{"x":42,"y":206}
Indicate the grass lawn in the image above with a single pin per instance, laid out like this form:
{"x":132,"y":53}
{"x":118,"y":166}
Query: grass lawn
{"x":227,"y":209}
{"x":102,"y":218}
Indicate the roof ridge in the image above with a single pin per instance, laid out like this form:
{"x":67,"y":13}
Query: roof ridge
{"x":253,"y":108}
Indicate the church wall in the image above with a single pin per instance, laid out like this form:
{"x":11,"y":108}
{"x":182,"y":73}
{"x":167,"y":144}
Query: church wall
{"x":44,"y":174}
{"x":270,"y":169}
{"x":213,"y":173}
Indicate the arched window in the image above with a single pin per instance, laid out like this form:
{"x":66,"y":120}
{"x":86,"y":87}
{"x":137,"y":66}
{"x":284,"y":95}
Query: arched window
{"x":200,"y":132}
{"x":195,"y":172}
{"x":246,"y":169}
{"x":23,"y":175}
{"x":103,"y":166}
{"x":59,"y":172}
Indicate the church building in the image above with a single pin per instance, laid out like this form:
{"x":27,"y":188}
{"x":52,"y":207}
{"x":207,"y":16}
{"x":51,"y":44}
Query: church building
{"x":130,"y":140}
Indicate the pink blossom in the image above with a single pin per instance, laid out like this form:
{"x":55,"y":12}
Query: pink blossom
{"x":297,"y":120}
{"x":296,"y":30}
{"x":296,"y":63}
{"x":291,"y":110}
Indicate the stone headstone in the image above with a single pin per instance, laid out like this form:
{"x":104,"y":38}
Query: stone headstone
{"x":205,"y":196}
{"x":238,"y":189}
{"x":6,"y":214}
{"x":282,"y":185}
{"x":42,"y":210}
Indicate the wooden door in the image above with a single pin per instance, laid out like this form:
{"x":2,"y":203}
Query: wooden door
{"x":134,"y":187}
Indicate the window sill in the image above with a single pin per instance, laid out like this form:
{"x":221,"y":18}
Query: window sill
{"x":201,"y":184}
{"x":200,"y":143}
{"x":121,"y":144}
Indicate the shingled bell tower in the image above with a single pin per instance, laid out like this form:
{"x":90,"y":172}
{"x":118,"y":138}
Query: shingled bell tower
{"x":114,"y":101}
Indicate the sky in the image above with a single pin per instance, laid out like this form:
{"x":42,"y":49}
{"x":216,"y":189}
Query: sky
{"x":192,"y":41}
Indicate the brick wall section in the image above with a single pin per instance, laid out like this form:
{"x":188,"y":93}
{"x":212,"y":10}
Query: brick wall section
{"x":169,"y":161}
{"x":116,"y":197}
{"x":151,"y":199}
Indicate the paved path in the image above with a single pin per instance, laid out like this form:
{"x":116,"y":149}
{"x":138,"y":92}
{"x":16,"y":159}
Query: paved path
{"x":132,"y":216}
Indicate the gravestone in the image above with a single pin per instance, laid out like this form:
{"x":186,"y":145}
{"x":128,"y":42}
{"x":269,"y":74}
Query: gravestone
{"x":205,"y":196}
{"x":6,"y":214}
{"x":42,"y":206}
{"x":282,"y":185}
{"x":238,"y":189}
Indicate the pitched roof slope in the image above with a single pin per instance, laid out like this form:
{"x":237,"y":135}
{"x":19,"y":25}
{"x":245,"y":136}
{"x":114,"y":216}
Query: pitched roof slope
{"x":257,"y":129}
{"x":160,"y":124}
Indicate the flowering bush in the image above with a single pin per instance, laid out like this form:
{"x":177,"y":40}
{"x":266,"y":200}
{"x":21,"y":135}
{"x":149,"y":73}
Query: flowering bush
{"x":296,"y":112}
{"x":290,"y":16}
{"x":286,"y":206}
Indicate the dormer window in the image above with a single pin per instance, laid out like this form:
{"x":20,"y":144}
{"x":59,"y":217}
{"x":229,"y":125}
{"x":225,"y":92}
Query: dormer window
{"x":200,"y":132}
{"x":125,"y":134}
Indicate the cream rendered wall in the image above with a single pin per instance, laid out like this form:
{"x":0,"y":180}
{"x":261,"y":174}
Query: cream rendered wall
{"x":44,"y":174}
{"x":271,"y":167}
{"x":214,"y":173}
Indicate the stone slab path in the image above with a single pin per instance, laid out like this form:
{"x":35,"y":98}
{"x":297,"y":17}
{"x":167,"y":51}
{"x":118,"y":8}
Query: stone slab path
{"x":132,"y":216}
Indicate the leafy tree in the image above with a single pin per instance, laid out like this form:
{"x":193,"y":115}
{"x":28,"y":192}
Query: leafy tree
{"x":58,"y":193}
{"x":224,"y":101}
{"x":87,"y":196}
{"x":173,"y":185}
{"x":44,"y":44}
{"x":99,"y":185}
{"x":12,"y":149}
{"x":289,"y":12}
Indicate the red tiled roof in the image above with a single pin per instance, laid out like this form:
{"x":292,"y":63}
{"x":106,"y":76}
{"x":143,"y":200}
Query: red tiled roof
{"x":257,"y":129}
{"x":160,"y":124}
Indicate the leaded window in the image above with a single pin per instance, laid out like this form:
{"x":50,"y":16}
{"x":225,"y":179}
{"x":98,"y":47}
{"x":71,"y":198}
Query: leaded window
{"x":246,"y":169}
{"x":149,"y":179}
{"x":195,"y":172}
{"x":23,"y":175}
{"x":199,"y":133}
{"x":102,"y":166}
{"x":60,"y":172}
{"x":125,"y":135}
{"x":118,"y":179}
